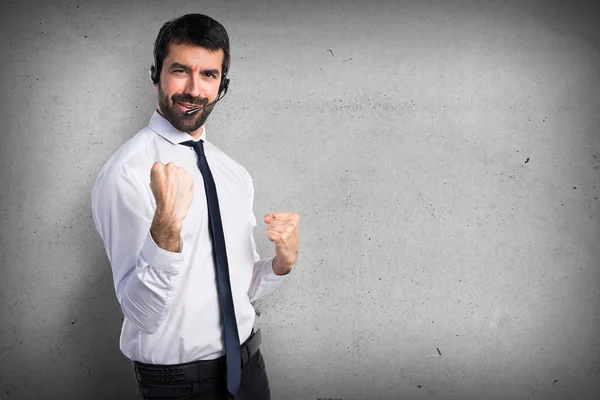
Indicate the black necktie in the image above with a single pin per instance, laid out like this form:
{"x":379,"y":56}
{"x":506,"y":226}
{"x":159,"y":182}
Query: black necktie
{"x":232,"y":341}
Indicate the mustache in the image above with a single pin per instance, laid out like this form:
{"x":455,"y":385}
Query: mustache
{"x":185,"y":98}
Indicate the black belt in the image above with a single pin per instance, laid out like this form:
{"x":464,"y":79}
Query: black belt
{"x":194,"y":371}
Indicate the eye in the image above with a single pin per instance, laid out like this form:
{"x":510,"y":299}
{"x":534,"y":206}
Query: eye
{"x":178,"y":71}
{"x":210,"y":75}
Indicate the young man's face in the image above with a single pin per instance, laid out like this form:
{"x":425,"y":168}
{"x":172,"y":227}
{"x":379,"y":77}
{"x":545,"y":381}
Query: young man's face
{"x":190,"y":77}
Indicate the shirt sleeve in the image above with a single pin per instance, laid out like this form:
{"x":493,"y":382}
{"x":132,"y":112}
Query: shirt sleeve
{"x":144,"y":274}
{"x":264,"y":279}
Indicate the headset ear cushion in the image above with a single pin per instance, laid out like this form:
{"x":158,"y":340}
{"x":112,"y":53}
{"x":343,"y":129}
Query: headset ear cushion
{"x":153,"y":76}
{"x":224,"y":86}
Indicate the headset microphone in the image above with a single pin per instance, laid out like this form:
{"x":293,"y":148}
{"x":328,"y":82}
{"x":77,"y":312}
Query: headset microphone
{"x":195,"y":110}
{"x":222,"y":91}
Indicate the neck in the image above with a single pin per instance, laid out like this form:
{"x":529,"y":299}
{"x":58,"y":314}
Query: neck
{"x":196,"y":134}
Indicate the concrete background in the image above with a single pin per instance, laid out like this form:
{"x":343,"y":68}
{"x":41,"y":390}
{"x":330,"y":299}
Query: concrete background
{"x":444,"y":158}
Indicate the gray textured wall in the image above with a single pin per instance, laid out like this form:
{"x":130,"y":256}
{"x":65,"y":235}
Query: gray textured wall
{"x":444,"y":157}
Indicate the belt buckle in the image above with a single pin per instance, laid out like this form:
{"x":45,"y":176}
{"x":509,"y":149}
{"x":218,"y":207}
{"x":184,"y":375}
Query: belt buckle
{"x":158,"y":375}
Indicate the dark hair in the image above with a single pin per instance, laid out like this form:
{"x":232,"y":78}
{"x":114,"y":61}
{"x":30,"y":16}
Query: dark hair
{"x":192,"y":29}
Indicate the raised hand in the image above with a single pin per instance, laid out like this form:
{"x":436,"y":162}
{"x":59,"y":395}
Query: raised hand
{"x":173,"y":190}
{"x":282,"y":230}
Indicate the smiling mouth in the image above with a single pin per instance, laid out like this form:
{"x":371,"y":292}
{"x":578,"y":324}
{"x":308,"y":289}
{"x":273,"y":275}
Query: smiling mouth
{"x":189,"y":106}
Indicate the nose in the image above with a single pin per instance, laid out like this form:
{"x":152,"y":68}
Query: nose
{"x":193,"y":86}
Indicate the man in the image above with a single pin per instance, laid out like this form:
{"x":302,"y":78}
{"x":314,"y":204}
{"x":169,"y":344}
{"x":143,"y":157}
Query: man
{"x":176,"y":218}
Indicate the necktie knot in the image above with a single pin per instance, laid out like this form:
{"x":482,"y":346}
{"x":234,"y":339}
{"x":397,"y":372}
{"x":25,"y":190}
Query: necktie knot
{"x":197,"y":146}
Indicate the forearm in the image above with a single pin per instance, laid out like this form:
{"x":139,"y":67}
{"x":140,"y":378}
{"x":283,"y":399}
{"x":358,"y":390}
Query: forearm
{"x":281,"y":267}
{"x":145,"y":293}
{"x":142,"y":243}
{"x":146,"y":297}
{"x":166,"y":231}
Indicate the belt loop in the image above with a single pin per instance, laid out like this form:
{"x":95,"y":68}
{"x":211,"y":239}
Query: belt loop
{"x":198,"y":374}
{"x":244,"y":354}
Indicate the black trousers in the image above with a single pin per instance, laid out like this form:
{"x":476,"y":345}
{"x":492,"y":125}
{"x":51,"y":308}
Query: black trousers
{"x":254,"y":386}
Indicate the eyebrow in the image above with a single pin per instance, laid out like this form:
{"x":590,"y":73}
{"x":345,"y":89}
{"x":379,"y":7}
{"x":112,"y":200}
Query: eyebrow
{"x":187,"y":68}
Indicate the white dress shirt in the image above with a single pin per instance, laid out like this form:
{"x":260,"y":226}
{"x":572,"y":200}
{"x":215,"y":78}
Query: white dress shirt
{"x":170,"y":300}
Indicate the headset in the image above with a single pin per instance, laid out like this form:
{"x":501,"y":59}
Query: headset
{"x":154,"y":76}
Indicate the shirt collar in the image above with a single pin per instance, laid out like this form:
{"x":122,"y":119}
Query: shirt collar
{"x":163,"y":127}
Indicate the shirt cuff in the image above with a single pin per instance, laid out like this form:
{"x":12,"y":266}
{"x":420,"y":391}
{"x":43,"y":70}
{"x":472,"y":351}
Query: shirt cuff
{"x":161,"y":259}
{"x":270,"y":274}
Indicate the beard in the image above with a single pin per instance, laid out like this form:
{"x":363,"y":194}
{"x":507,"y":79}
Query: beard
{"x":181,"y":121}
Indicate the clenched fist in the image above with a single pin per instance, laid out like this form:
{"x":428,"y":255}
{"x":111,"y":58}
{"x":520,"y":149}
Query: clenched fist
{"x":282,"y":230}
{"x":173,"y":190}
